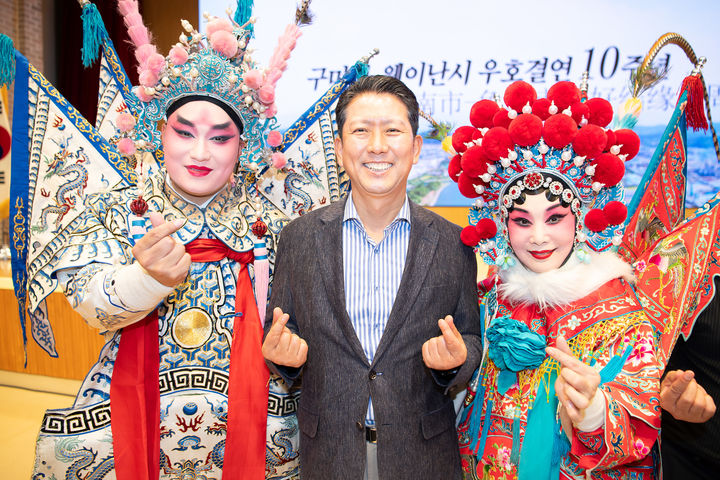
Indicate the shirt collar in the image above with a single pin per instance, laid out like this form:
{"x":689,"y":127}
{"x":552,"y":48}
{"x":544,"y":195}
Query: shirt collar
{"x":351,"y":212}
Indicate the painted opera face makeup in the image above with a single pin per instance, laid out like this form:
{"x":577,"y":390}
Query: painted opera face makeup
{"x":541,"y":233}
{"x":201,"y":145}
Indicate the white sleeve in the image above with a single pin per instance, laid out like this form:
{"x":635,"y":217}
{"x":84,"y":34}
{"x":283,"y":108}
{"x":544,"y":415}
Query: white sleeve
{"x":111,"y":297}
{"x":594,"y":414}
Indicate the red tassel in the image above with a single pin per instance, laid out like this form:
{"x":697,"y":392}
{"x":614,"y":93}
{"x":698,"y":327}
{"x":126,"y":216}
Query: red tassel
{"x":695,"y":108}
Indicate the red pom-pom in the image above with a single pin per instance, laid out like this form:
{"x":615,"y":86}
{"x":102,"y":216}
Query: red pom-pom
{"x":595,"y":220}
{"x":590,"y":141}
{"x":496,"y":143}
{"x":559,"y":130}
{"x":469,"y":236}
{"x":486,"y":228}
{"x":482,"y":113}
{"x":579,"y":111}
{"x":563,"y":94}
{"x":518,"y":94}
{"x":615,"y":212}
{"x":5,"y":142}
{"x":526,"y":129}
{"x":139,"y":206}
{"x":466,"y":185}
{"x":630,"y":142}
{"x":501,"y":119}
{"x":454,"y":168}
{"x":474,"y":161}
{"x":540,"y":108}
{"x":609,"y":169}
{"x":610,"y":140}
{"x":601,"y":112}
{"x":462,"y":136}
{"x":259,"y":228}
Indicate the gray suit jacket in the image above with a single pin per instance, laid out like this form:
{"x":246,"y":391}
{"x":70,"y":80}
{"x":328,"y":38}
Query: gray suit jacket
{"x":413,"y":413}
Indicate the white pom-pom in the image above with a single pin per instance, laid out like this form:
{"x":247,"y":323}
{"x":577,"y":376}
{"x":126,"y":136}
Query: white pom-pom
{"x":483,"y":131}
{"x":483,"y":248}
{"x":512,"y":114}
{"x":583,"y":121}
{"x":567,"y":111}
{"x":479,"y":202}
{"x":527,"y":108}
{"x":623,"y":156}
{"x":579,"y":160}
{"x":590,"y":170}
{"x":615,"y":149}
{"x":491,"y":244}
{"x":566,"y":156}
{"x":505,"y":162}
{"x":543,"y":149}
{"x":527,"y":154}
{"x":512,"y":155}
{"x":242,"y":44}
{"x":552,"y":109}
{"x":248,"y":100}
{"x":245,"y":88}
{"x":597,"y":186}
{"x":165,"y":81}
{"x":480,"y":189}
{"x":486,"y":177}
{"x":491,"y":169}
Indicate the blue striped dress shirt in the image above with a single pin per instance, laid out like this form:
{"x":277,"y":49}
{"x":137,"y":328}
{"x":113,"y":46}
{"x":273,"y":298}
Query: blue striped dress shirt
{"x":372,"y":274}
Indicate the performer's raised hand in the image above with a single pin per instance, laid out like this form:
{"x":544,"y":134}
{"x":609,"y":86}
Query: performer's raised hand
{"x":160,"y":255}
{"x":446,"y":351}
{"x":281,"y":345}
{"x":577,"y":382}
{"x":683,"y":398}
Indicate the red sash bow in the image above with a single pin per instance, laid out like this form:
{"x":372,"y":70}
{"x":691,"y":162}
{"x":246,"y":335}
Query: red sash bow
{"x":135,"y":395}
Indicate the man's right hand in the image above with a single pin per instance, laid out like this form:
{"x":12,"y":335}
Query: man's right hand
{"x":282,"y":346}
{"x":684,"y":398}
{"x":160,"y":255}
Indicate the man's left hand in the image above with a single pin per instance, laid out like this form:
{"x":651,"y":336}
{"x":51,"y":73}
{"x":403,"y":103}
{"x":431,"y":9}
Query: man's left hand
{"x":446,"y":351}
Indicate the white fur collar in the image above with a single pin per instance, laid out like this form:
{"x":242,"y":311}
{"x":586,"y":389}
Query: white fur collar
{"x":562,"y":286}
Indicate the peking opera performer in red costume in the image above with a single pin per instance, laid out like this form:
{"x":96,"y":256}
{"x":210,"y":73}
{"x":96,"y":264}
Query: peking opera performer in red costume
{"x":569,"y":384}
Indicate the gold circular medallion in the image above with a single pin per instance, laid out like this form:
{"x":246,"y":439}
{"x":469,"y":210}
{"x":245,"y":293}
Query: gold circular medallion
{"x":192,"y":328}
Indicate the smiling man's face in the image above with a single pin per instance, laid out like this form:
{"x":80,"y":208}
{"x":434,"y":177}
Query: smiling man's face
{"x":377,"y":147}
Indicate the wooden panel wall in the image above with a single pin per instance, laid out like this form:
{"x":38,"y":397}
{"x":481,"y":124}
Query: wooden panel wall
{"x":78,"y":345}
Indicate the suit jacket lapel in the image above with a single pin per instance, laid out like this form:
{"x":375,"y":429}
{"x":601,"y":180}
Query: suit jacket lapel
{"x":330,"y":247}
{"x":421,"y":250}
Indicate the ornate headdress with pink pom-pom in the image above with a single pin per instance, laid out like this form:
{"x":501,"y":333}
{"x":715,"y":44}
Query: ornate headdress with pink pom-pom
{"x":559,"y":143}
{"x":216,"y":66}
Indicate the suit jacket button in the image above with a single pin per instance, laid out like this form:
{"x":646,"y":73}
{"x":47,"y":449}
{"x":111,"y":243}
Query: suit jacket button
{"x":360,"y":425}
{"x":372,"y":375}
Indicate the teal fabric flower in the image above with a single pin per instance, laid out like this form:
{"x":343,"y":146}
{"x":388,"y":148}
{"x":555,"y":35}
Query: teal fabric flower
{"x":513,"y":346}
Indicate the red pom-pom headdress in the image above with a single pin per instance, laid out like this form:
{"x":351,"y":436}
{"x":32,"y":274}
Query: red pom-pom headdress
{"x":558,"y":143}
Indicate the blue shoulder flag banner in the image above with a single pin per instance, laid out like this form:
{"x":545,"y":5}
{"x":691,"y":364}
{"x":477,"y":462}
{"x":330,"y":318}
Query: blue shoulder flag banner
{"x":54,"y":148}
{"x":312,"y":176}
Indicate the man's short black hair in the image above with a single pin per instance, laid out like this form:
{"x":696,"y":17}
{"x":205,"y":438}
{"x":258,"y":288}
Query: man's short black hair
{"x":378,"y":84}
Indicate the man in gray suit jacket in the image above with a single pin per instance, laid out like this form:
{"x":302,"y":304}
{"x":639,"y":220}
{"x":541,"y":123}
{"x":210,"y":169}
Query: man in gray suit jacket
{"x":376,"y":307}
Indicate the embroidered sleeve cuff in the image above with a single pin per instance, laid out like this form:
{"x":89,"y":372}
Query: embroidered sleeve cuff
{"x":135,"y":288}
{"x":594,"y":414}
